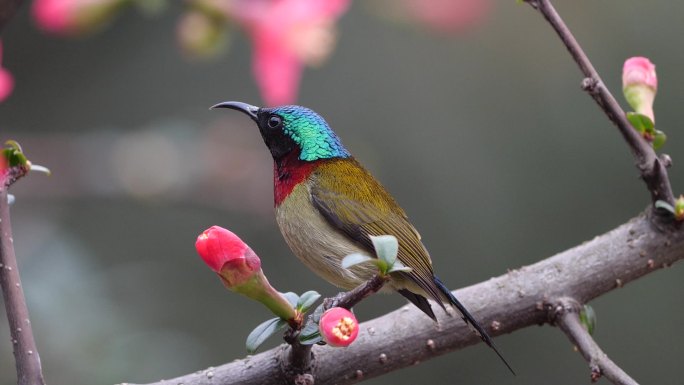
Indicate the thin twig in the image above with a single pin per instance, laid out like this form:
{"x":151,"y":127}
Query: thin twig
{"x":564,"y":313}
{"x":29,"y":371}
{"x":351,"y":298}
{"x":652,"y":169}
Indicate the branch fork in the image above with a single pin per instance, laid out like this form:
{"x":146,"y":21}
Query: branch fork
{"x":564,"y":313}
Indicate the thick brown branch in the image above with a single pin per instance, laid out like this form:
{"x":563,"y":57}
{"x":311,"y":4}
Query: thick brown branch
{"x":25,"y":353}
{"x":504,"y":304}
{"x":651,"y":168}
{"x":564,"y":314}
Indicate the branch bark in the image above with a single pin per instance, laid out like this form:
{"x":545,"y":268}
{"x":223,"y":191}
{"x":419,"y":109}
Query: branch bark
{"x":29,"y":370}
{"x":564,"y":314}
{"x":651,"y":168}
{"x":504,"y":304}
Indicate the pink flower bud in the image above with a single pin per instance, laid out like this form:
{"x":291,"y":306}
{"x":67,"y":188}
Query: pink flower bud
{"x":639,"y":85}
{"x":240,"y":270}
{"x":338,"y":327}
{"x":226,"y":254}
{"x":639,"y":71}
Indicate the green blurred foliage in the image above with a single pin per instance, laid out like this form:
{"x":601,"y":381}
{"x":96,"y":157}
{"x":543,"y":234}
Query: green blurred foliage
{"x":117,"y":292}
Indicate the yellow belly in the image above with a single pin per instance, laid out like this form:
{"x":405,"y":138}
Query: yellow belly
{"x":316,"y":243}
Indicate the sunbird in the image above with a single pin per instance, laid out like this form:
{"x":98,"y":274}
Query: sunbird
{"x":328,"y":205}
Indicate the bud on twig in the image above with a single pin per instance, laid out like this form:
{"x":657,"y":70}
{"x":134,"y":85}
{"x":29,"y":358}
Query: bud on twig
{"x":240,"y":269}
{"x":639,"y":84}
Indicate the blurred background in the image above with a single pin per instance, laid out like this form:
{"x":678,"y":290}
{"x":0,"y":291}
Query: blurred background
{"x":476,"y":123}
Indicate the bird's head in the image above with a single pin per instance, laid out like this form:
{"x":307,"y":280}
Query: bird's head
{"x":288,"y":129}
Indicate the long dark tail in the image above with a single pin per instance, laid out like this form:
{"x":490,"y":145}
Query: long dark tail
{"x":468,"y":318}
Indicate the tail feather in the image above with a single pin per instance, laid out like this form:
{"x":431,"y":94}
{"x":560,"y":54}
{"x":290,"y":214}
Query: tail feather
{"x":420,"y":301}
{"x":470,"y":321}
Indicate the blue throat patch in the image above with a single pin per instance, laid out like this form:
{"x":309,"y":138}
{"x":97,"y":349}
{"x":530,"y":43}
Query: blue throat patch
{"x":311,"y":132}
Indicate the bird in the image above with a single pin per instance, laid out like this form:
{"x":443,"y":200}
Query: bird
{"x":328,"y":206}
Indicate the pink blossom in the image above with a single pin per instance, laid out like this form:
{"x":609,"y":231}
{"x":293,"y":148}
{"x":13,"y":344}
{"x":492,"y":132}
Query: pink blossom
{"x":6,"y":80}
{"x":338,"y":327}
{"x":447,"y":16}
{"x":286,"y":34}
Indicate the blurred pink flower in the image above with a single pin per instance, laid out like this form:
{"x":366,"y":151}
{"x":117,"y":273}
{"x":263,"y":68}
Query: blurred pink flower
{"x":286,"y":34}
{"x":448,"y":16}
{"x":74,"y":17}
{"x":6,"y":80}
{"x":441,"y":16}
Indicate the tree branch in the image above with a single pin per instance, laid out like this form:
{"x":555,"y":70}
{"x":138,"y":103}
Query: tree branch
{"x":504,"y":304}
{"x":564,"y":314}
{"x":29,"y":371}
{"x":652,"y":169}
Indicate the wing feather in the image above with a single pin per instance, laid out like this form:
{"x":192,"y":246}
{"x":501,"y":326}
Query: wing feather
{"x":356,"y":204}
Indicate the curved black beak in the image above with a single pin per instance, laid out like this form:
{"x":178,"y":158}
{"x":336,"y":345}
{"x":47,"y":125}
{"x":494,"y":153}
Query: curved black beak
{"x":239,"y":106}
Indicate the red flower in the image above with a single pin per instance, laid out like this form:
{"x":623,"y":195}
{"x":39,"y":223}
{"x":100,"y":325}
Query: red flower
{"x":338,"y":327}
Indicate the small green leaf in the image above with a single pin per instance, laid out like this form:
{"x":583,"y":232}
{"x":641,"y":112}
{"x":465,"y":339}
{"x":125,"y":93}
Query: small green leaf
{"x":355,"y":259}
{"x":641,"y":123}
{"x":307,"y":299}
{"x":316,"y":315}
{"x":292,"y":298}
{"x":588,"y":318}
{"x":386,"y":248}
{"x":310,"y":333}
{"x":662,"y":205}
{"x":262,"y":332}
{"x":314,"y":339}
{"x":398,"y":266}
{"x":13,"y":144}
{"x":659,"y":139}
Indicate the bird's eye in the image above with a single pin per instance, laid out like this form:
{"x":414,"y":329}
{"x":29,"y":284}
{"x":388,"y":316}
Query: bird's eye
{"x":274,"y":121}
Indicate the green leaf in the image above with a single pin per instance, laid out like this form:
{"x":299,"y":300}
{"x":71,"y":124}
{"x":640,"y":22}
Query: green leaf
{"x":664,"y":206}
{"x":355,"y":259}
{"x":307,"y":299}
{"x":262,"y":332}
{"x":313,"y":340}
{"x":386,"y":248}
{"x":317,"y":314}
{"x":292,"y":298}
{"x":398,"y":266}
{"x":588,"y":318}
{"x":641,"y":123}
{"x":659,"y":139}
